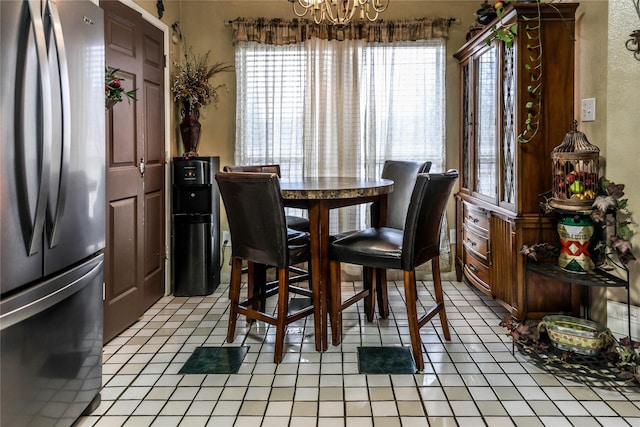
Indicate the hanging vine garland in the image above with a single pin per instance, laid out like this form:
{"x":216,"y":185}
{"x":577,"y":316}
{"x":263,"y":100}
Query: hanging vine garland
{"x":532,"y":33}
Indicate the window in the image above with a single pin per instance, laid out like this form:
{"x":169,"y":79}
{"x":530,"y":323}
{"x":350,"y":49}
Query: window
{"x":329,"y":108}
{"x":270,"y":105}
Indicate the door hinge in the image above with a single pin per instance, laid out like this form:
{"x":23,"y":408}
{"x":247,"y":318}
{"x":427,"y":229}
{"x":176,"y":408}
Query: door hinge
{"x":165,"y":61}
{"x":104,"y":291}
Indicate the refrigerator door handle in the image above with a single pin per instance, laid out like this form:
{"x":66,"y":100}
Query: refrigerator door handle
{"x":13,"y":315}
{"x":58,"y":41}
{"x":33,"y":236}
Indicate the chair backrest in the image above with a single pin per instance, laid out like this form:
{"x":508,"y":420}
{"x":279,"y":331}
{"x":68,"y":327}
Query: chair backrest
{"x":254,"y":168}
{"x":403,"y":173}
{"x":429,"y":200}
{"x":255,"y":212}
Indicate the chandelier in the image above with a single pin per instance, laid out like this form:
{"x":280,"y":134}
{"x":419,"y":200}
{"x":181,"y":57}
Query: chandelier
{"x":339,"y":12}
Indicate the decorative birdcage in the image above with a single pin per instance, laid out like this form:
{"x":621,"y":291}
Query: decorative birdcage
{"x":575,"y":172}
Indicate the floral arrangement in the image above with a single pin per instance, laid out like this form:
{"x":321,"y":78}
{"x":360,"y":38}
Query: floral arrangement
{"x":485,"y":14}
{"x":506,"y":34}
{"x":113,"y":90}
{"x":190,"y":84}
{"x":610,"y":199}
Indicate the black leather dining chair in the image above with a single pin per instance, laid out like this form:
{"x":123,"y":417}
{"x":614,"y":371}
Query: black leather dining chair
{"x":403,"y":173}
{"x":403,"y":249}
{"x":293,"y":221}
{"x":260,"y":236}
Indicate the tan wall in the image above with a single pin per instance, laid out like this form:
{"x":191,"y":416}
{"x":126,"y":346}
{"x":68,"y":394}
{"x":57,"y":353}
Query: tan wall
{"x":591,"y":82}
{"x":622,"y":118}
{"x":591,"y":67}
{"x":606,"y":71}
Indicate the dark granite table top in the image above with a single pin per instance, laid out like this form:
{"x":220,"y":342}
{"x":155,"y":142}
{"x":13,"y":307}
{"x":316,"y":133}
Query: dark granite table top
{"x":334,"y":188}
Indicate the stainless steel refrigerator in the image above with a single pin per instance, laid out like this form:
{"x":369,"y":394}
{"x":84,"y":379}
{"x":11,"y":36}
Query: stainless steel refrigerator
{"x":52,"y":220}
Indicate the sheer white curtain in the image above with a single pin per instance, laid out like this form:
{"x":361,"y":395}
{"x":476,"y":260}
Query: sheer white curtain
{"x":404,"y":104}
{"x":333,"y":125}
{"x":333,"y":129}
{"x":341,"y":108}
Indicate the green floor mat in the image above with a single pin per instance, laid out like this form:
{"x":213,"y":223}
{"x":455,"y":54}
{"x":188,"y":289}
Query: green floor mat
{"x":214,"y":360}
{"x":385,"y":360}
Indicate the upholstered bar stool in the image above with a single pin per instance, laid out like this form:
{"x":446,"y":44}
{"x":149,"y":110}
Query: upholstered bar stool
{"x":258,"y":273}
{"x":403,"y":173}
{"x":259,"y":235}
{"x":402,"y":249}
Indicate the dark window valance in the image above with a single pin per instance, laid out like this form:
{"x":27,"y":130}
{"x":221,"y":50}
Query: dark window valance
{"x":281,"y":31}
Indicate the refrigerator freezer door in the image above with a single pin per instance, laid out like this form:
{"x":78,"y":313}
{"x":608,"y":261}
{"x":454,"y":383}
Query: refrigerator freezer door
{"x":51,"y":352}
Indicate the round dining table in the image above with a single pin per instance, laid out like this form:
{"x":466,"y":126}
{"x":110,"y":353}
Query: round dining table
{"x":319,"y":196}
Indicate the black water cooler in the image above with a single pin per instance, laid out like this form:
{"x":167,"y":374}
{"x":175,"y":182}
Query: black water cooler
{"x":195,"y":226}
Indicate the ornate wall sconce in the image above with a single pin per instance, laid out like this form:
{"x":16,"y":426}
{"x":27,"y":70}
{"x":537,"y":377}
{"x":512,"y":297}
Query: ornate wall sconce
{"x":160,"y":7}
{"x":633,"y":44}
{"x":176,"y":33}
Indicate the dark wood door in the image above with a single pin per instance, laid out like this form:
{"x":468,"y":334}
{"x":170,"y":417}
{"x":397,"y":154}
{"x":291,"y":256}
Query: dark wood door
{"x":154,"y":175}
{"x":135,"y":247}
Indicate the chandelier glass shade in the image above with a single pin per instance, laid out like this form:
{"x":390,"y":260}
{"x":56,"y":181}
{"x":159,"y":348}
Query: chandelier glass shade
{"x":339,"y":12}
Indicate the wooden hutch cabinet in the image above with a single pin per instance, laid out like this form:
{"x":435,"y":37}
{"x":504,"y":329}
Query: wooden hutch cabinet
{"x":501,"y":178}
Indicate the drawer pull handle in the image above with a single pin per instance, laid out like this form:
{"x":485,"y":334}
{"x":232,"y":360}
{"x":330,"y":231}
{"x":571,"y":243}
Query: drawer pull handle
{"x":471,"y":242}
{"x":473,"y":219}
{"x":473,"y":268}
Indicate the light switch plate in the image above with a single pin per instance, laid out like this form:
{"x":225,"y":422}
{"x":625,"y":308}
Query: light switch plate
{"x":589,"y":110}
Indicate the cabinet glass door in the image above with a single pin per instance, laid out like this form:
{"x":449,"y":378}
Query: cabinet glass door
{"x":467,"y":126}
{"x":508,"y":192}
{"x":486,"y":107}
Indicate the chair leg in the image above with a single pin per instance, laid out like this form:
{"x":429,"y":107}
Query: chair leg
{"x":369,"y":282}
{"x":257,"y":282}
{"x":412,"y":317}
{"x":282,"y":311}
{"x":335,"y":296}
{"x":435,"y":268}
{"x":382,"y":294}
{"x":234,"y":297}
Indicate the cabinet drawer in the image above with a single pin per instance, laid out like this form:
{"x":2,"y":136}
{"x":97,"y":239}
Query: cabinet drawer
{"x":476,"y":243}
{"x":476,"y":216}
{"x":477,"y":272}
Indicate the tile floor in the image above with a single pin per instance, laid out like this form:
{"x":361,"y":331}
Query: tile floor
{"x":473,"y":380}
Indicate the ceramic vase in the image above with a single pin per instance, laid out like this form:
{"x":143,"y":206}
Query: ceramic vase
{"x":190,"y":130}
{"x":575,"y":236}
